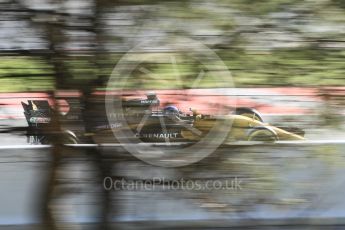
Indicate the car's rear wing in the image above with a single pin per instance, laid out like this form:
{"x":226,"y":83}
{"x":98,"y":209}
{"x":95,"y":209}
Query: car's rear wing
{"x":37,"y":112}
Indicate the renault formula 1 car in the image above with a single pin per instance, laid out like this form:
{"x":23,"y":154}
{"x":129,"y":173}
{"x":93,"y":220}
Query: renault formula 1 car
{"x":149,"y":123}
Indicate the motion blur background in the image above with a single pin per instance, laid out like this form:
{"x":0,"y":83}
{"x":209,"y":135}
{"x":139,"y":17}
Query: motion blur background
{"x":287,"y":61}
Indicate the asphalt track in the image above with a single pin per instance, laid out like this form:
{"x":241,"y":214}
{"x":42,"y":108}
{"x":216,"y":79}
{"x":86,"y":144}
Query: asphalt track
{"x":160,"y":144}
{"x":193,"y":226}
{"x":23,"y":169}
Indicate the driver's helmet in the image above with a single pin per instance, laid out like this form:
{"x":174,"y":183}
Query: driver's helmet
{"x":171,"y":110}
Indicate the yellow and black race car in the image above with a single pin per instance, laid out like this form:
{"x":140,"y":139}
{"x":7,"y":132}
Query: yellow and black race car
{"x":141,"y":119}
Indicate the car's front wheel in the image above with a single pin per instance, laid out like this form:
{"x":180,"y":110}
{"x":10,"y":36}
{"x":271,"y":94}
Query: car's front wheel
{"x":263,"y":134}
{"x":248,"y":112}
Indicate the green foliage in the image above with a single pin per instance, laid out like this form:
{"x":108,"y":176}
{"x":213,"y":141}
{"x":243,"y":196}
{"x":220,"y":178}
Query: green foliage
{"x":25,"y":74}
{"x":260,"y":7}
{"x":297,"y":67}
{"x":229,"y":27}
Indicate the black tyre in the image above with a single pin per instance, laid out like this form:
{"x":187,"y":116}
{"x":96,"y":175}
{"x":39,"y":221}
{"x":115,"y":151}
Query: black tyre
{"x":248,"y":112}
{"x":68,"y":137}
{"x":264,"y":134}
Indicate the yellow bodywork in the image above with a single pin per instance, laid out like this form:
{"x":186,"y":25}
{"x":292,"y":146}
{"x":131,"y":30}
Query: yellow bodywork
{"x":239,"y":127}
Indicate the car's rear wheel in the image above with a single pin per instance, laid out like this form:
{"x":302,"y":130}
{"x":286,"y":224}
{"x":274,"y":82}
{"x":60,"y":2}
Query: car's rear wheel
{"x":248,"y":112}
{"x":263,"y":134}
{"x":69,"y":137}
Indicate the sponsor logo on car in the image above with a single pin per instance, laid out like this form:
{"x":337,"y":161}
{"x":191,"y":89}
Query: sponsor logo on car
{"x":40,"y":120}
{"x":149,"y":101}
{"x":157,"y":135}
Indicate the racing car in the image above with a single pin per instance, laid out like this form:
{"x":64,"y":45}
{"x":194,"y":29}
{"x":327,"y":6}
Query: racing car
{"x":40,"y":117}
{"x":148,"y":122}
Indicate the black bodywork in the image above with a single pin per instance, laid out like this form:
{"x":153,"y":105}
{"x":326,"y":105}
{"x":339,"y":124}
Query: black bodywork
{"x":146,"y":120}
{"x":38,"y":115}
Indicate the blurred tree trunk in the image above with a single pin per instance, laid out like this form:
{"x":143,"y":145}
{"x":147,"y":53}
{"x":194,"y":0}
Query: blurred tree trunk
{"x":58,"y":58}
{"x":55,"y":38}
